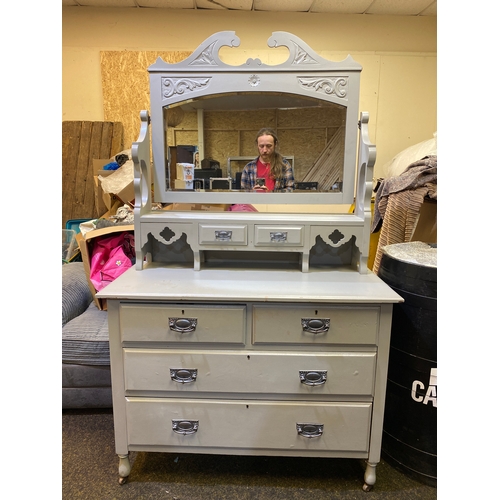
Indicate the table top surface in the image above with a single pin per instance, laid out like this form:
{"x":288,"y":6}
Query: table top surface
{"x":214,"y":285}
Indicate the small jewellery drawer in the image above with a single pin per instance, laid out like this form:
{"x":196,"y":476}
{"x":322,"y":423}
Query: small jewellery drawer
{"x":223,"y":424}
{"x":279,"y":235}
{"x":222,"y":234}
{"x":315,"y":325}
{"x":183,"y":371}
{"x":182,"y":323}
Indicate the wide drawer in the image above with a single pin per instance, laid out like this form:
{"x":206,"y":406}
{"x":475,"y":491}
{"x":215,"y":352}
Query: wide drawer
{"x":222,"y":234}
{"x":182,"y":323}
{"x":221,"y":424}
{"x":272,"y":373}
{"x":315,"y":325}
{"x":279,"y":235}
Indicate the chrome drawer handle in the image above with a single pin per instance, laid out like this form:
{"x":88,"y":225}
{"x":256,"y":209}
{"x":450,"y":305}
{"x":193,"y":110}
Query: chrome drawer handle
{"x":279,"y":237}
{"x":315,"y":325}
{"x":182,"y":325}
{"x":310,"y":430}
{"x":183,"y":375}
{"x":184,"y":427}
{"x":312,"y":377}
{"x":223,"y":235}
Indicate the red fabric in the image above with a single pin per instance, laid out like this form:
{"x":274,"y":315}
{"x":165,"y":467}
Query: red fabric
{"x":264,"y":171}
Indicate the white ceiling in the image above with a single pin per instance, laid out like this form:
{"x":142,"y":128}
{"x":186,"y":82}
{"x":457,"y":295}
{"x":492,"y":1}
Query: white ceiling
{"x":377,"y":7}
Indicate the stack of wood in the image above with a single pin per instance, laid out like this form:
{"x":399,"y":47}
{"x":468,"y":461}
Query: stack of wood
{"x":82,"y":142}
{"x":327,"y":168}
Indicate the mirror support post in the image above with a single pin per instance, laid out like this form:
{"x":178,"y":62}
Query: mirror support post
{"x":201,"y":135}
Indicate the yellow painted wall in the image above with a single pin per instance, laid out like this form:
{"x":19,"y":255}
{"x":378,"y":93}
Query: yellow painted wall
{"x":398,"y":55}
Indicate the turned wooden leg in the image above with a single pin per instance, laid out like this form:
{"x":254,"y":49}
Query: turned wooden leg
{"x":123,"y":468}
{"x":370,"y":476}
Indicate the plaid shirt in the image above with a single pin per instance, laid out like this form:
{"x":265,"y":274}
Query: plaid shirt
{"x":249,"y":174}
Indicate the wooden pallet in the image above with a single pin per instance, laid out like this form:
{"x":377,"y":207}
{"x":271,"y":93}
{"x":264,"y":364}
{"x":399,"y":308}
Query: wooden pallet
{"x":327,"y":168}
{"x":82,"y":142}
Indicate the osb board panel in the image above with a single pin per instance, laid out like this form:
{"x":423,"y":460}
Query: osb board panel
{"x":125,"y":86}
{"x":82,"y":142}
{"x":240,"y":120}
{"x":186,"y":137}
{"x":301,"y":133}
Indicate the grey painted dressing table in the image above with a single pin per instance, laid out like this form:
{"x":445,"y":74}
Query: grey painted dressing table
{"x":251,"y":333}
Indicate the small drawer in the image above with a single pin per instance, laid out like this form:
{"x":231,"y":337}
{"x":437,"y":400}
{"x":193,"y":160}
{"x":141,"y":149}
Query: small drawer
{"x":174,"y":323}
{"x":248,"y":424}
{"x":272,"y":373}
{"x":210,"y":234}
{"x":279,"y":235}
{"x":315,"y":325}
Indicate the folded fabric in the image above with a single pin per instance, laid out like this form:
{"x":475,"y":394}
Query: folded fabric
{"x":398,"y":203}
{"x":420,"y":173}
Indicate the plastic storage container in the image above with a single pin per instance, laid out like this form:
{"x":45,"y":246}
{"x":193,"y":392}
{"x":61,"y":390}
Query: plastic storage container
{"x":70,"y":247}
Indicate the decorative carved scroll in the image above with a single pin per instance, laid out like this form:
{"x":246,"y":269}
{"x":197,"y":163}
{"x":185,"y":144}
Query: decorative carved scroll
{"x":173,"y":86}
{"x":336,"y":86}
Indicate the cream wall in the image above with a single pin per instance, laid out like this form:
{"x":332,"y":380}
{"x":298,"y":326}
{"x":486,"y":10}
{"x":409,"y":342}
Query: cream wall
{"x":398,"y":55}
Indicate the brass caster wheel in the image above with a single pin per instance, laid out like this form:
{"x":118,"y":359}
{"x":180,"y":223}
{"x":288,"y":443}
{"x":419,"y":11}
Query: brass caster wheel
{"x":123,"y":469}
{"x":367,"y":487}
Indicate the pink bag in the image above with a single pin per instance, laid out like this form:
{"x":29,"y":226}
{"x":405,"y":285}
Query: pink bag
{"x":242,"y":208}
{"x":111,"y":257}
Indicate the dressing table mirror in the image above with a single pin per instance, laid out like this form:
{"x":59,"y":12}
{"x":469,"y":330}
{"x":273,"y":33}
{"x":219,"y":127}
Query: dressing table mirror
{"x":251,"y":332}
{"x":311,"y":102}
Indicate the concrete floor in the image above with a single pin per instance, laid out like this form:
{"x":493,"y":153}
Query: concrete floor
{"x":90,"y":471}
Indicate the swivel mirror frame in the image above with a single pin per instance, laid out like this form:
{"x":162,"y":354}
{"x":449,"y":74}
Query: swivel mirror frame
{"x":203,"y":74}
{"x":304,"y":74}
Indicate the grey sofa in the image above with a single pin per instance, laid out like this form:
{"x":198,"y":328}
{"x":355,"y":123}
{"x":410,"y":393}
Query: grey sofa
{"x":86,"y":378}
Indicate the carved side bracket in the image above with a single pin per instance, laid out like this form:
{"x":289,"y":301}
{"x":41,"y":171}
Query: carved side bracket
{"x":142,"y":181}
{"x":366,"y":160}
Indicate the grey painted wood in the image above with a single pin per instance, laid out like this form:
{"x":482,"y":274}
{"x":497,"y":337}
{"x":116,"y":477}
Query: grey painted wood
{"x":158,"y":282}
{"x":248,"y":354}
{"x":211,"y":355}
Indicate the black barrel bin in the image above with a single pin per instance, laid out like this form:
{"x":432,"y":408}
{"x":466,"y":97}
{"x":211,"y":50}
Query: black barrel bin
{"x":410,"y":423}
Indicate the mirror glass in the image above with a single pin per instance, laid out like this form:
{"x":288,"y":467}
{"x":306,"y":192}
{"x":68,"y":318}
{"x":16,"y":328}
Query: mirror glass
{"x":217,"y":134}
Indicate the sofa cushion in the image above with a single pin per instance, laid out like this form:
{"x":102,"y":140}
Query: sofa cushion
{"x":85,"y":376}
{"x":76,"y":294}
{"x":88,"y":397}
{"x":85,"y":339}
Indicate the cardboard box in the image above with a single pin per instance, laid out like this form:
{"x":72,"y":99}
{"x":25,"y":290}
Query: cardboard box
{"x":99,"y":164}
{"x":182,"y":184}
{"x":103,"y":201}
{"x":184,"y":171}
{"x":86,"y":242}
{"x":125,"y":194}
{"x":426,"y":228}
